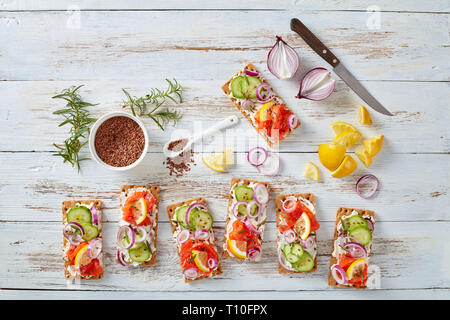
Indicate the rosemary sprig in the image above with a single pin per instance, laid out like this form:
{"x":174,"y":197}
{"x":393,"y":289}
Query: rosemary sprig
{"x":148,"y":105}
{"x":77,"y":116}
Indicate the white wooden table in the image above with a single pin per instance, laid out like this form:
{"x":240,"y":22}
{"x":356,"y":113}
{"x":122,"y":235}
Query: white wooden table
{"x":135,"y":45}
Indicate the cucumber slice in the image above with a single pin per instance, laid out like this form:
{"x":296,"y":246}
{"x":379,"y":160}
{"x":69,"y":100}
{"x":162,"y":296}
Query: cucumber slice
{"x":287,"y":249}
{"x":242,"y":209}
{"x":90,"y":231}
{"x":292,"y":258}
{"x":80,"y":214}
{"x":181,"y":215}
{"x":297,"y":249}
{"x":236,"y":87}
{"x":243,"y":193}
{"x":305,"y":263}
{"x":253,"y":83}
{"x":201,"y":220}
{"x":361,"y":234}
{"x":141,"y":253}
{"x":253,"y":209}
{"x":355,"y":221}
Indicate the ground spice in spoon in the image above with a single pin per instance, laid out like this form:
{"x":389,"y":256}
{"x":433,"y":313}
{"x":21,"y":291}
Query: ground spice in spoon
{"x":180,"y":164}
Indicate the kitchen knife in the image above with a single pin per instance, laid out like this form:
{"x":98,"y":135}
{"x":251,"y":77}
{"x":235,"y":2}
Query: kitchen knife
{"x":338,"y":67}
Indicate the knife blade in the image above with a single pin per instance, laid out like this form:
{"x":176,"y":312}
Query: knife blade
{"x":338,"y":67}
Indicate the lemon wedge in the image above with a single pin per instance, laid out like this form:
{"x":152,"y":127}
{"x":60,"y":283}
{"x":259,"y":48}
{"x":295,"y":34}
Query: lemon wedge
{"x":355,"y":268}
{"x":303,"y":226}
{"x":263,"y":111}
{"x":331,"y":155}
{"x":140,"y":210}
{"x":373,"y":144}
{"x":342,"y":127}
{"x":364,"y":155}
{"x":238,"y":248}
{"x":219,"y":161}
{"x":201,"y":260}
{"x":347,"y":166}
{"x":364,"y":116}
{"x":347,"y":139}
{"x":311,"y":171}
{"x":82,"y":257}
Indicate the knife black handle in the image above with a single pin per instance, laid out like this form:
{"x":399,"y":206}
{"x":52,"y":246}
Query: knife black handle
{"x":314,"y":42}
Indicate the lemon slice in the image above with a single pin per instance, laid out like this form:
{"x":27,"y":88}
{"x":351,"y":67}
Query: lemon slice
{"x":347,"y":166}
{"x":140,"y":210}
{"x":347,"y":139}
{"x":238,"y":248}
{"x":219,"y":161}
{"x":355,"y":268}
{"x":201,"y":260}
{"x":303,"y":226}
{"x":342,"y":127}
{"x":373,"y":144}
{"x":364,"y":116}
{"x":331,"y":155}
{"x":311,"y":171}
{"x":228,"y":157}
{"x":364,"y":156}
{"x":264,"y":109}
{"x":82,"y":257}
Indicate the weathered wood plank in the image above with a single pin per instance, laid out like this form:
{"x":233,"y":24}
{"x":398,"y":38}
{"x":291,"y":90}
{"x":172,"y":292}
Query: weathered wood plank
{"x":408,"y":254}
{"x":208,"y":45}
{"x":413,"y":187}
{"x":419,"y":124}
{"x":398,"y":5}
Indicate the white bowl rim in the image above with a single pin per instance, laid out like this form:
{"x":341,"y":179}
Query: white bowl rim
{"x":93,"y":132}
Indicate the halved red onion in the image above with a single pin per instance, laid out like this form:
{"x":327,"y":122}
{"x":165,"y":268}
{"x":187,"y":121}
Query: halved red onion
{"x":282,"y":60}
{"x":356,"y":250}
{"x":212,"y":263}
{"x":251,"y":73}
{"x":339,"y":274}
{"x":191,"y":273}
{"x":289,"y":204}
{"x":370,"y":223}
{"x":250,"y":227}
{"x":264,"y":92}
{"x":201,"y":234}
{"x":316,"y":85}
{"x":253,"y":253}
{"x":94,"y":214}
{"x":289,"y":236}
{"x":292,"y":121}
{"x":308,"y":243}
{"x":189,"y":210}
{"x":95,"y":248}
{"x":183,"y":236}
{"x":271,"y":166}
{"x":373,"y":190}
{"x":257,"y":156}
{"x":142,"y":232}
{"x":261,"y":194}
{"x":120,"y":236}
{"x":249,"y":209}
{"x":119,"y":256}
{"x":247,"y":104}
{"x":235,"y":212}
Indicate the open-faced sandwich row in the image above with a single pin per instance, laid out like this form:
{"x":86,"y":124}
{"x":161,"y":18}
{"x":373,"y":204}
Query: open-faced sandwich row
{"x":192,"y":229}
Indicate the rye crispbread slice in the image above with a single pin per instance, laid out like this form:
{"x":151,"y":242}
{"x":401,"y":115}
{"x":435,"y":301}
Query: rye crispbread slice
{"x":226,"y":89}
{"x":246,"y":182}
{"x":341,"y":213}
{"x":155,"y":192}
{"x":170,"y":212}
{"x":66,"y":205}
{"x":278,"y":209}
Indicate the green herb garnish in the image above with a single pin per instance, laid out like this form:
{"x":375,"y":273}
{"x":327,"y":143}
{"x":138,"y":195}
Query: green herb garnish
{"x":284,"y":215}
{"x":343,"y":225}
{"x":78,"y":117}
{"x":155,"y":99}
{"x":192,"y":258}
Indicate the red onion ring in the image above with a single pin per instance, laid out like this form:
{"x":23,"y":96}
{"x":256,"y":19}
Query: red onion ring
{"x":259,"y":95}
{"x":282,"y":259}
{"x":141,"y":231}
{"x":183,"y":236}
{"x":309,"y":83}
{"x":95,"y":248}
{"x":201,"y":234}
{"x":339,"y":274}
{"x":75,"y":239}
{"x":356,"y":250}
{"x":119,"y":256}
{"x":249,"y":209}
{"x":130,"y":234}
{"x":289,"y":208}
{"x":374,"y":190}
{"x":289,"y":236}
{"x":251,"y":73}
{"x":247,"y":104}
{"x":308,"y":243}
{"x":235,"y":212}
{"x":253,"y":253}
{"x":94,"y":214}
{"x":189,"y":210}
{"x":370,"y":223}
{"x":258,"y":152}
{"x":270,"y":167}
{"x":212,"y":263}
{"x":261,"y":194}
{"x":191,"y":273}
{"x":292,"y":121}
{"x":250,"y":227}
{"x":71,"y":225}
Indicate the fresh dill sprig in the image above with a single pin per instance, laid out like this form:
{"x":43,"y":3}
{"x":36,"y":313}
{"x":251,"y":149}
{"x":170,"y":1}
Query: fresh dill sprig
{"x":75,"y":114}
{"x":153,"y":101}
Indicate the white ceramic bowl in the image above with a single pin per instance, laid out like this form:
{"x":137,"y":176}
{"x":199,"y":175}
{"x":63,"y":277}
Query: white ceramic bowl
{"x":94,"y":131}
